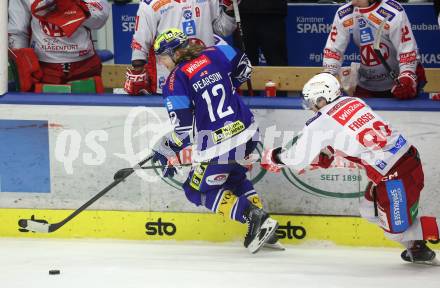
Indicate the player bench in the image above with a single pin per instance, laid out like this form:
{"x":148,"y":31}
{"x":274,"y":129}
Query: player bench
{"x":287,"y":78}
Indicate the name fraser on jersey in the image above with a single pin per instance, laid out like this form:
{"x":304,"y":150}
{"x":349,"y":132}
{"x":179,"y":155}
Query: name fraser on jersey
{"x":361,"y":121}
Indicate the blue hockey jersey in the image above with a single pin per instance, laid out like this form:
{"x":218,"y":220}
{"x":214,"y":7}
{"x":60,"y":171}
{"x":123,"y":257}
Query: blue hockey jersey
{"x":201,"y":99}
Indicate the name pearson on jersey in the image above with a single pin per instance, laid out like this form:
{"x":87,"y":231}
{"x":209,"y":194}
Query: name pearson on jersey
{"x":206,"y":81}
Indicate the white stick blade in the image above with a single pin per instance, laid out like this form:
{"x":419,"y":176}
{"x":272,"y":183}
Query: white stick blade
{"x":37,"y":226}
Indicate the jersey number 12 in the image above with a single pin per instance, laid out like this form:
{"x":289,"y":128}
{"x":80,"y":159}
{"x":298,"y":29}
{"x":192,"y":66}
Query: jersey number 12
{"x":217,"y":90}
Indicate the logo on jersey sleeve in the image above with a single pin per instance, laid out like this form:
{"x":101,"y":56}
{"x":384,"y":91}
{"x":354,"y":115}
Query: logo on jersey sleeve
{"x":346,"y":11}
{"x":174,"y":103}
{"x":406,"y":58}
{"x":386,"y":13}
{"x":381,"y":164}
{"x":195,"y":66}
{"x":400,"y":142}
{"x":395,"y":5}
{"x":159,"y":4}
{"x":348,"y":23}
{"x":348,"y":111}
{"x":331,"y":54}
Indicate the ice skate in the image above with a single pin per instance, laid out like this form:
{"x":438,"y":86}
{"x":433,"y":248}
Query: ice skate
{"x":260,"y":228}
{"x":419,"y":253}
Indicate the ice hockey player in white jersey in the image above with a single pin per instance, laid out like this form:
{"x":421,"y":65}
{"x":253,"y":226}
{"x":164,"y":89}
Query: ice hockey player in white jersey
{"x":349,"y":128}
{"x":360,"y":19}
{"x":199,"y":19}
{"x":59,"y":31}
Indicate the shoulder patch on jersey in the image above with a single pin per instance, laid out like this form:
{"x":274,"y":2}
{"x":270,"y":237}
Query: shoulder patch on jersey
{"x":373,"y":18}
{"x":339,"y":105}
{"x":313,"y":118}
{"x":395,"y":5}
{"x":345,"y":11}
{"x":159,"y":4}
{"x":407,"y":58}
{"x":386,"y":13}
{"x":348,"y":23}
{"x":191,"y":68}
{"x":228,"y":51}
{"x":173,"y":103}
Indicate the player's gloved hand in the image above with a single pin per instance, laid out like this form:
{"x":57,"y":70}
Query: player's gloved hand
{"x":270,"y":161}
{"x":407,"y":88}
{"x":227,"y":4}
{"x":325,"y":158}
{"x":166,"y":152}
{"x":136,"y":81}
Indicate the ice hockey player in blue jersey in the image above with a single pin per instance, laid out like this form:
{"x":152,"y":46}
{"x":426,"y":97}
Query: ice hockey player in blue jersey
{"x":205,"y":111}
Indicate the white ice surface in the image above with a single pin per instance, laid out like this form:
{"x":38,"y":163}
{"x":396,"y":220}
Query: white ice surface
{"x":24,"y":263}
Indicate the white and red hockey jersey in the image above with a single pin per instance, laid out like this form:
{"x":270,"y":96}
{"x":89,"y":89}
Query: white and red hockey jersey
{"x":397,"y":43}
{"x":49,"y":42}
{"x":355,"y":132}
{"x":196,"y":18}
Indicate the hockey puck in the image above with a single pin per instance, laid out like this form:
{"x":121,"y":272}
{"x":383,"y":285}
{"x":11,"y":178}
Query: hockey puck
{"x":54,"y":272}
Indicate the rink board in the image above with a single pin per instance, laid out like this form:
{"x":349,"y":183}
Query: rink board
{"x":350,"y":231}
{"x":86,"y":145}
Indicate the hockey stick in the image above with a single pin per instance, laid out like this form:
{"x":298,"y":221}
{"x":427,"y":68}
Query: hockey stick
{"x":44,"y":227}
{"x":376,"y":48}
{"x":240,"y":36}
{"x":253,"y":158}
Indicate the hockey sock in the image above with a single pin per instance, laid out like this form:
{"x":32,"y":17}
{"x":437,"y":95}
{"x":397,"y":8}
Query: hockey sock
{"x":429,"y":228}
{"x":423,"y":228}
{"x":247,"y":189}
{"x":253,"y":197}
{"x":229,"y":205}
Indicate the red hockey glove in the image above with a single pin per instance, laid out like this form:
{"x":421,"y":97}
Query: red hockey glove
{"x":407,"y":88}
{"x":228,"y":4}
{"x":28,"y":68}
{"x":269,"y":160}
{"x":325,"y":158}
{"x":135,"y":81}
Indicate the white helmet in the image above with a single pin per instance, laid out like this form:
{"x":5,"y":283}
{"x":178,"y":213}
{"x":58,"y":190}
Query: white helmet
{"x":323,"y":85}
